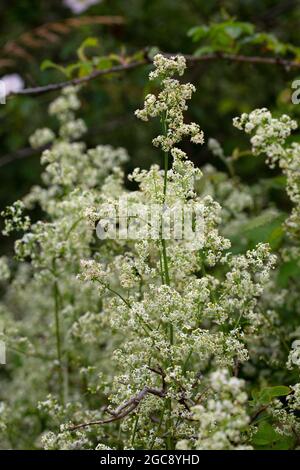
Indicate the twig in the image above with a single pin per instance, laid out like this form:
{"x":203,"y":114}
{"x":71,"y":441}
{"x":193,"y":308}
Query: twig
{"x":287,"y":64}
{"x":123,"y":410}
{"x":161,"y":373}
{"x":20,"y":154}
{"x":78,"y":81}
{"x":29,"y":151}
{"x":242,"y":58}
{"x":258,"y":412}
{"x":49,"y":33}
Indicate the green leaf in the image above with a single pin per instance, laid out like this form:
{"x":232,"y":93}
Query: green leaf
{"x":71,"y":68}
{"x":221,"y":37}
{"x":203,"y":51}
{"x":138,"y":55}
{"x":267,"y":394}
{"x":237,"y":29}
{"x":85,"y":69}
{"x":103,"y":63}
{"x":277,"y":182}
{"x":88,"y":42}
{"x":276,"y":236}
{"x":285,"y":443}
{"x":259,"y":221}
{"x":265,"y":435}
{"x":198,"y":32}
{"x":268,"y":41}
{"x":267,"y":438}
{"x":48,"y":64}
{"x":255,"y":394}
{"x":152,"y":52}
{"x":288,"y":270}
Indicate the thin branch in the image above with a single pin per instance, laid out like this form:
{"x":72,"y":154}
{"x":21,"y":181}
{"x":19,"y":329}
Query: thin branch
{"x":28,"y":152}
{"x":257,"y":413}
{"x":243,"y":58}
{"x":20,"y":154}
{"x":123,"y":410}
{"x":287,"y":64}
{"x":78,"y":81}
{"x":161,"y":373}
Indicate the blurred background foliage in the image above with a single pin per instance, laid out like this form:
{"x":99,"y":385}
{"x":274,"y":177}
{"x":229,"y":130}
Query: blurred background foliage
{"x":33,"y":31}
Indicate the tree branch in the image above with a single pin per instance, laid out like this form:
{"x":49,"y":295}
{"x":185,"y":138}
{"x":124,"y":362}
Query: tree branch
{"x":78,"y":81}
{"x":123,"y":410}
{"x":287,"y":64}
{"x":20,"y":154}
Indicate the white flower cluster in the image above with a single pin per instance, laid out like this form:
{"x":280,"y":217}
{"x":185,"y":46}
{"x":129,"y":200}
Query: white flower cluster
{"x":41,"y":137}
{"x":269,"y":137}
{"x":175,"y":320}
{"x":170,"y":104}
{"x":222,"y":417}
{"x":64,"y":106}
{"x":167,"y":67}
{"x":270,"y":133}
{"x":161,"y":328}
{"x":294,"y":355}
{"x":14,"y":219}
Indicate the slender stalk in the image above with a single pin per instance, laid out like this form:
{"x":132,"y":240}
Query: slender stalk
{"x":163,"y":241}
{"x":159,"y":425}
{"x":169,"y":438}
{"x":165,"y":262}
{"x":166,"y":164}
{"x":29,"y":354}
{"x":161,"y":268}
{"x":134,"y":430}
{"x":145,"y":325}
{"x":58,"y":339}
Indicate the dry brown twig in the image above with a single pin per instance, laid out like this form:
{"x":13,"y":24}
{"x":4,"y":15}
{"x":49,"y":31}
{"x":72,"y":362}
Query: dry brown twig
{"x":52,"y":33}
{"x":123,"y":410}
{"x":130,"y":405}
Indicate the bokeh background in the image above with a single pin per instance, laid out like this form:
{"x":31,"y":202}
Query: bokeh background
{"x":34,"y":30}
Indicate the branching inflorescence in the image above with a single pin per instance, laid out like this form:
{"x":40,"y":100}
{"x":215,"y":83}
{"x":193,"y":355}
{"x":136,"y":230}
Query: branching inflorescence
{"x":150,"y":342}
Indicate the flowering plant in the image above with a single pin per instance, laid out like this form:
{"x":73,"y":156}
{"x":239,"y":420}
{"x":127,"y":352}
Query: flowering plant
{"x":154,"y":343}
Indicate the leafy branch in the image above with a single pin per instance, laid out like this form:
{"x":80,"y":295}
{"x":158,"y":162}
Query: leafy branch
{"x":146,"y":59}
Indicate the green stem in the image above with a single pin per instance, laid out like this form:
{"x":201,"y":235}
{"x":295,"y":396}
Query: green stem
{"x":134,"y":430}
{"x":145,"y":325}
{"x":184,"y":368}
{"x":58,"y":338}
{"x":28,"y":354}
{"x":166,"y":164}
{"x":73,"y":226}
{"x":165,"y":262}
{"x":163,"y":241}
{"x":117,"y":294}
{"x":161,"y":268}
{"x":159,"y":425}
{"x":169,"y":439}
